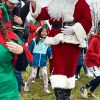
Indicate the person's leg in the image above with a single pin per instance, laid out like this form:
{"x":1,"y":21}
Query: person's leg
{"x":77,"y":73}
{"x":19,"y":79}
{"x":37,"y":75}
{"x":94,"y":84}
{"x":85,"y":69}
{"x":33,"y":75}
{"x":45,"y":79}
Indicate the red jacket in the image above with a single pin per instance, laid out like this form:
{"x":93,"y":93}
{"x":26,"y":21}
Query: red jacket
{"x":93,"y":52}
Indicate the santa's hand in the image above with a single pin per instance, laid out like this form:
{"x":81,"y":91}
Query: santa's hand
{"x":67,"y":30}
{"x":14,"y":47}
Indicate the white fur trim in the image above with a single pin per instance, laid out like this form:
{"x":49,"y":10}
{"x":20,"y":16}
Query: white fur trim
{"x":79,"y":32}
{"x":53,"y":40}
{"x":70,"y":82}
{"x":70,"y":39}
{"x":58,"y":81}
{"x":37,"y":11}
{"x":38,"y":29}
{"x":61,"y":81}
{"x":78,"y":37}
{"x":83,"y":44}
{"x":50,"y":41}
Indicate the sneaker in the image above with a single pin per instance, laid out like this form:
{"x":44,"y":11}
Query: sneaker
{"x":84,"y":92}
{"x":26,"y":87}
{"x":76,"y":77}
{"x":33,"y":81}
{"x":92,"y":96}
{"x":46,"y":91}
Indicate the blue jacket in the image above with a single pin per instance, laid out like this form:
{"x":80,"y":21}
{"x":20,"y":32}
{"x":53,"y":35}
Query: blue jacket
{"x":41,"y":52}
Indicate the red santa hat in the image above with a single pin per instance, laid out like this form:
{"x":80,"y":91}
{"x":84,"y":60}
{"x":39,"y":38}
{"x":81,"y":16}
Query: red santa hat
{"x":36,"y":28}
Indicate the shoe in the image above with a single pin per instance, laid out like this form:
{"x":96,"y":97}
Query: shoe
{"x":46,"y":91}
{"x":84,"y":92}
{"x":26,"y":87}
{"x":76,"y":77}
{"x":92,"y":96}
{"x":33,"y":81}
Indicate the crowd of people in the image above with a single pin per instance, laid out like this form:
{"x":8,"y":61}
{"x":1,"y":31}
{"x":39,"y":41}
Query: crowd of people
{"x":33,"y":43}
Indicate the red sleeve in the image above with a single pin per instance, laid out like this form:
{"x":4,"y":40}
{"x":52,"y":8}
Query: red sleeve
{"x":83,"y":15}
{"x":91,"y":51}
{"x":43,"y":15}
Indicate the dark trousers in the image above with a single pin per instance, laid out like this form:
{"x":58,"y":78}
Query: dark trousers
{"x":19,"y":79}
{"x":93,"y":84}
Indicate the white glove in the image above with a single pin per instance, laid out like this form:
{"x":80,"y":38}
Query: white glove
{"x":67,"y":30}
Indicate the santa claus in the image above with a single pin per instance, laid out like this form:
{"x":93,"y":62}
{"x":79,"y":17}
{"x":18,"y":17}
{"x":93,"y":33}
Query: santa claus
{"x":70,"y":21}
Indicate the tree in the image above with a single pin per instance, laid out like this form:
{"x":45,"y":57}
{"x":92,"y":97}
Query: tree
{"x":95,"y":12}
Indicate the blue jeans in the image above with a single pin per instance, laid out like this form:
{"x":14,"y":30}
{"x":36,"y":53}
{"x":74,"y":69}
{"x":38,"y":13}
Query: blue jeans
{"x":19,"y":79}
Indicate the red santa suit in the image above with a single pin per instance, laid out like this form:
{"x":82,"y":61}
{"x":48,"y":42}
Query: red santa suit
{"x":65,"y":54}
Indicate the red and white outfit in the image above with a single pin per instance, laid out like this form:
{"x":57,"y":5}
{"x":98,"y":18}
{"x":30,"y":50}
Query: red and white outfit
{"x":65,"y":55}
{"x":92,"y":58}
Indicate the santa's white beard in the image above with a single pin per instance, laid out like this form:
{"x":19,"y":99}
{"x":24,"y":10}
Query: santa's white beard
{"x":58,"y":8}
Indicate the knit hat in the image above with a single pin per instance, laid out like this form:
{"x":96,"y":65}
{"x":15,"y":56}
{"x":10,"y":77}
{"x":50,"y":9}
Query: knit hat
{"x":36,"y":28}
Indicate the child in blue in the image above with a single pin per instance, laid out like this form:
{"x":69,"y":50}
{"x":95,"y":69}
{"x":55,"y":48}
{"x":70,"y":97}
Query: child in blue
{"x":41,"y":52}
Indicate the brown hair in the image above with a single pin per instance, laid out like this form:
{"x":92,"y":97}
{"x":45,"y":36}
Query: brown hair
{"x":4,"y":30}
{"x":39,"y":35}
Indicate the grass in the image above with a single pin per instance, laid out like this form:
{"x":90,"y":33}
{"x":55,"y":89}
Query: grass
{"x":36,"y":89}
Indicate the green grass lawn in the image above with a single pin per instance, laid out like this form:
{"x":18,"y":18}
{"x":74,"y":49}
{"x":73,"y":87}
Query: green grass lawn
{"x":36,"y":89}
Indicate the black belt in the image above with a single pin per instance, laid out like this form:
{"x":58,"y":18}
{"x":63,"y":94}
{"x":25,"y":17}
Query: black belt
{"x":60,"y":25}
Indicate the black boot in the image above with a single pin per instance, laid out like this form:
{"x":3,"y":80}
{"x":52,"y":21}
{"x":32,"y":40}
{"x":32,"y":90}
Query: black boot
{"x":59,"y":93}
{"x":67,"y":93}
